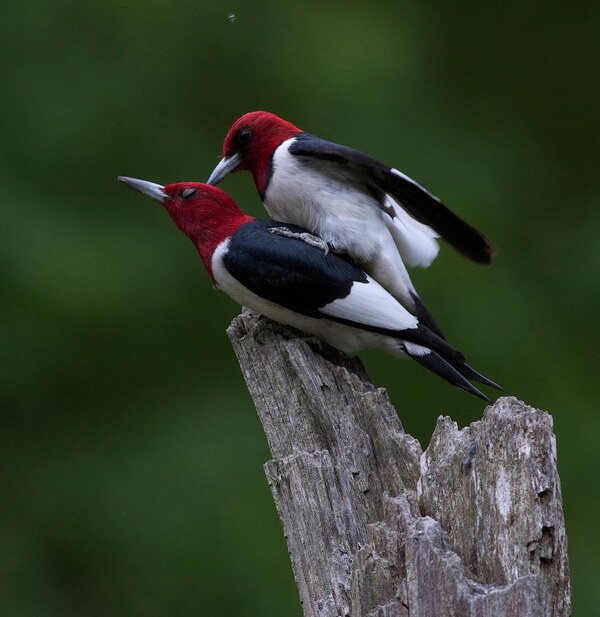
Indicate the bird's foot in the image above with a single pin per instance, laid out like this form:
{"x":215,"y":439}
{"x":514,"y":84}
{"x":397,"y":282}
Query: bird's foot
{"x":305,"y":236}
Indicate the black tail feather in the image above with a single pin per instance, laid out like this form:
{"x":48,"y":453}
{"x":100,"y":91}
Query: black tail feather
{"x":470,"y":373}
{"x":425,"y":317}
{"x":423,"y":336}
{"x":444,"y":349}
{"x":428,"y":210}
{"x":441,"y":367}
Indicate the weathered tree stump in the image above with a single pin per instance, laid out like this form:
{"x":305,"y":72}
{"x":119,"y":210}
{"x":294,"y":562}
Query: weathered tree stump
{"x":471,"y":527}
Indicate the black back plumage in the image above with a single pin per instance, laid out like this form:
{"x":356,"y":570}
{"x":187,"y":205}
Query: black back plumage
{"x":288,"y":271}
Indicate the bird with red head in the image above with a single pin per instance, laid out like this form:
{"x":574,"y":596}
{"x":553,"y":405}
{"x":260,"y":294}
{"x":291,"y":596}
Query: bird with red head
{"x":381,"y":218}
{"x":280,"y":271}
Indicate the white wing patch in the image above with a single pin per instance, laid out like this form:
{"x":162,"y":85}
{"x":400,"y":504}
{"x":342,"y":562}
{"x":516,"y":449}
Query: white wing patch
{"x":370,"y":304}
{"x":416,"y":242}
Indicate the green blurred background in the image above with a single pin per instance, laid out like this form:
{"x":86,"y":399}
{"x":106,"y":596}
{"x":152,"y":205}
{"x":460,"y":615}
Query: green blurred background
{"x":132,"y":479}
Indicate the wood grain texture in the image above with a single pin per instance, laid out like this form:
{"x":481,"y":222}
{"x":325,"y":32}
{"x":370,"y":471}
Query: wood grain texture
{"x":376,"y":527}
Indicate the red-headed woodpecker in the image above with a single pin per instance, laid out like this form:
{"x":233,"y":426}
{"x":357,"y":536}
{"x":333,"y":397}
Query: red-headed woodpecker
{"x":281,"y":271}
{"x":380,"y":217}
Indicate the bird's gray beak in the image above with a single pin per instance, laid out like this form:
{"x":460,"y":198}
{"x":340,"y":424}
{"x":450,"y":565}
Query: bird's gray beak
{"x":156,"y":191}
{"x":226,"y":165}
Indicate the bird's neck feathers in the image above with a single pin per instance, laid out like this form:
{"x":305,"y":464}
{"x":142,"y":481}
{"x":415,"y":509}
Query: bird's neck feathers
{"x":268,"y":133}
{"x":207,"y":224}
{"x":258,"y":158}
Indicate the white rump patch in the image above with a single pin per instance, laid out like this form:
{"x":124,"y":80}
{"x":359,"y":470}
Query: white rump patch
{"x":370,"y":304}
{"x":416,"y":242}
{"x":416,"y":350}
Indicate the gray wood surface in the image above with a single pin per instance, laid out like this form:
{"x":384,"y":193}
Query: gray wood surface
{"x":376,"y":527}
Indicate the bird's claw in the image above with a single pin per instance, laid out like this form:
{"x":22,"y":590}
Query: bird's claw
{"x":304,"y":236}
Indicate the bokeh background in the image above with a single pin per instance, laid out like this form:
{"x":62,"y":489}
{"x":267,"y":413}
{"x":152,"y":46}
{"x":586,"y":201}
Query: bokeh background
{"x":131,"y":455}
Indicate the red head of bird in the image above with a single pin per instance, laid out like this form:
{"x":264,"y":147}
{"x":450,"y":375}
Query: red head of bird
{"x":249,"y":144}
{"x":204,"y":213}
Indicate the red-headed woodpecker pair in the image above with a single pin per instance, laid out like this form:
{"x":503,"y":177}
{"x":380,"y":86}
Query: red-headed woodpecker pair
{"x":374,"y":213}
{"x":282,"y":271}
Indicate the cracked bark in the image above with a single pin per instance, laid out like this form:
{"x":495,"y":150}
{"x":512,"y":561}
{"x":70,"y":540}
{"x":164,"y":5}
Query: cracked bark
{"x":376,"y":527}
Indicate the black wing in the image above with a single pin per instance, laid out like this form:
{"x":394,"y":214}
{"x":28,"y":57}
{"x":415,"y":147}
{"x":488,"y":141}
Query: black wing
{"x":289,"y":272}
{"x":419,"y":203}
{"x":304,"y":279}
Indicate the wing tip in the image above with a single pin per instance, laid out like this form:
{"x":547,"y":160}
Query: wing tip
{"x":441,"y":367}
{"x":470,"y":373}
{"x":488,"y":254}
{"x":477,"y":248}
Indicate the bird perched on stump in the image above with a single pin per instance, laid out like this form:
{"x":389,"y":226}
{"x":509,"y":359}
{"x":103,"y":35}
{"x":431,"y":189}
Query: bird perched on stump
{"x":380,"y":217}
{"x":281,"y":271}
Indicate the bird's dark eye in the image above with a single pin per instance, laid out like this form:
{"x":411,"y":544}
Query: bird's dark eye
{"x":187,"y":193}
{"x":243,"y":136}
